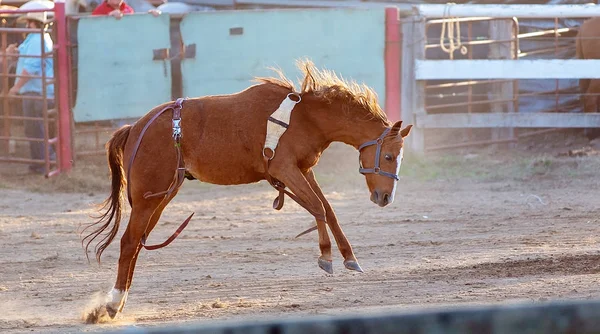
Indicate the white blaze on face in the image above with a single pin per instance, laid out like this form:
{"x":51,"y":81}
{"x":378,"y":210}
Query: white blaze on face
{"x":398,"y":163}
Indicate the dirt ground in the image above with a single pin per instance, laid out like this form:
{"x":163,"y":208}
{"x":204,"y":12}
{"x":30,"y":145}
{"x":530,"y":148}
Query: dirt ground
{"x":469,"y":226}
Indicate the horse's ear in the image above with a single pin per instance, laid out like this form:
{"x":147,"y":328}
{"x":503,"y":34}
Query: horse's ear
{"x":396,"y":128}
{"x":406,"y":131}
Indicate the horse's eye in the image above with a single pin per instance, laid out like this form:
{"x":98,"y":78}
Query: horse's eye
{"x":388,"y":157}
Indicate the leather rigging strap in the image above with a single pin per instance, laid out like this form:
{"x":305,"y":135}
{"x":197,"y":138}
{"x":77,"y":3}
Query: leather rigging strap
{"x":178,"y":177}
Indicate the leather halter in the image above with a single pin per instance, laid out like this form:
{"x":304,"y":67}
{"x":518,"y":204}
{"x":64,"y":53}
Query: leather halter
{"x":376,"y":169}
{"x":179,"y":176}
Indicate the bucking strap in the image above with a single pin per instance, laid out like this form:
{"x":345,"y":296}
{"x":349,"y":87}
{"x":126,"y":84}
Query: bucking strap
{"x":281,"y":117}
{"x":278,"y":122}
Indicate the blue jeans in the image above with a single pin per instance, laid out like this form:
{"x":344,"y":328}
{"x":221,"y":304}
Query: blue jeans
{"x":35,"y":128}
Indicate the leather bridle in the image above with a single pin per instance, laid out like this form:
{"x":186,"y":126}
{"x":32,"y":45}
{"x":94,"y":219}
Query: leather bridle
{"x":376,"y":169}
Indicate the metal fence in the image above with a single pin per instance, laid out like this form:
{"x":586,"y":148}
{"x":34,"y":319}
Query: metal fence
{"x":23,"y":134}
{"x":515,"y":73}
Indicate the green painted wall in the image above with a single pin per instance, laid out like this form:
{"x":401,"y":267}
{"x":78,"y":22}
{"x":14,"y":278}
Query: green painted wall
{"x":117,"y":77}
{"x":348,"y":41}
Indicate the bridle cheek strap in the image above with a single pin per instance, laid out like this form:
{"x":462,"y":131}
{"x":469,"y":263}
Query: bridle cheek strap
{"x":376,"y":169}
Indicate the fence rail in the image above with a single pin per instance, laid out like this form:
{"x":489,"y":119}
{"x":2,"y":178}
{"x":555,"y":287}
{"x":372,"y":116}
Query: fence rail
{"x":462,"y":101}
{"x":509,"y":120}
{"x":507,"y":11}
{"x":479,"y":69}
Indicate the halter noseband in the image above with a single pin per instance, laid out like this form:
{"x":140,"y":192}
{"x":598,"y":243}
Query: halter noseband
{"x":376,"y":169}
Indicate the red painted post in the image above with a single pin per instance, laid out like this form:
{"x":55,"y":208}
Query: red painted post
{"x":393,"y":61}
{"x":62,"y":78}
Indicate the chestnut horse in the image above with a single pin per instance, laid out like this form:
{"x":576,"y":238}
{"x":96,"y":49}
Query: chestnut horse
{"x":221,"y":140}
{"x":588,"y":47}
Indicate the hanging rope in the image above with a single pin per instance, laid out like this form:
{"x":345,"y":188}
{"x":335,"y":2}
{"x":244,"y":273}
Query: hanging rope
{"x":450,"y":24}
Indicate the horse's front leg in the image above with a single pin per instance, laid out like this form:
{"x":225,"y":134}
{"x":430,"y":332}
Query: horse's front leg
{"x":292,"y":177}
{"x":343,"y":244}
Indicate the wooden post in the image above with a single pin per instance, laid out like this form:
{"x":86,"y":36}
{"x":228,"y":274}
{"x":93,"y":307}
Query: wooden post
{"x":502,"y":30}
{"x":62,"y":89}
{"x":408,"y":73}
{"x":415,"y":41}
{"x":393,"y":59}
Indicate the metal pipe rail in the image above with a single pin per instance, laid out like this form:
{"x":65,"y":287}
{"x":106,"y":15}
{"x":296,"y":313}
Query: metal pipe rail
{"x":544,"y":33}
{"x":466,"y":83}
{"x":470,"y":103}
{"x":471,"y":43}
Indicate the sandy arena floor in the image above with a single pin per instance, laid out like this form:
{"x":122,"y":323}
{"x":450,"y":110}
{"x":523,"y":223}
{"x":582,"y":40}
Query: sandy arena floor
{"x":467,"y":227}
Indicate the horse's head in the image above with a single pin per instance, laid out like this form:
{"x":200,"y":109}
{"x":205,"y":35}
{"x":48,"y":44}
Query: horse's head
{"x":380,"y":161}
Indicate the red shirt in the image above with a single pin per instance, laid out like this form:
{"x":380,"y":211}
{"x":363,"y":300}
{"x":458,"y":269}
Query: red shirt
{"x":105,"y":9}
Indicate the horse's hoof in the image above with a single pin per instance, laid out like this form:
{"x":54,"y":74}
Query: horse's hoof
{"x":111,"y":312}
{"x":353,"y":265}
{"x":326,"y":265}
{"x":100,"y":314}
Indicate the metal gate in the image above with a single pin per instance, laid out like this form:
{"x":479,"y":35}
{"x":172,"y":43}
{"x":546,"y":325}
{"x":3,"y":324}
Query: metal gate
{"x":41,"y":140}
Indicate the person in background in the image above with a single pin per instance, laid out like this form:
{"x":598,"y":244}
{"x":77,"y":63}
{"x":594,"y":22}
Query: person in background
{"x":117,"y":8}
{"x":25,"y":85}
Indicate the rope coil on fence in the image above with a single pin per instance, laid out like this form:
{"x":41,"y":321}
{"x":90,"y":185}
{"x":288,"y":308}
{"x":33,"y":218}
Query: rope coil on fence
{"x":450,"y":24}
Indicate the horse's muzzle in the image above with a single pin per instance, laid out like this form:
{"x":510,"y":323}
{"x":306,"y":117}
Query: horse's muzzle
{"x":381,"y":198}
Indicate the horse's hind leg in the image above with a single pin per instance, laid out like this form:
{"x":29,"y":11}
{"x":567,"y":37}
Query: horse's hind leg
{"x":144,"y":217}
{"x":343,"y":244}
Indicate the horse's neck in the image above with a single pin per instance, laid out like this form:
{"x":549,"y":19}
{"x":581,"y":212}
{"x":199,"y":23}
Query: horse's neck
{"x":339,"y":125}
{"x":354,"y":132}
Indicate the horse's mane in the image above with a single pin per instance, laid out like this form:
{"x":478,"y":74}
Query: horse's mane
{"x":328,"y":85}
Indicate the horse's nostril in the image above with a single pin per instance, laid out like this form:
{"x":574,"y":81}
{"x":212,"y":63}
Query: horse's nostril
{"x":386,"y":198}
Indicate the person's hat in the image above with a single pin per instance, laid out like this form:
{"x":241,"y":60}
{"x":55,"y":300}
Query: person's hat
{"x":43,"y":17}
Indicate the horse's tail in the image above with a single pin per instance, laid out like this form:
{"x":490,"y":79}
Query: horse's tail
{"x":113,"y":204}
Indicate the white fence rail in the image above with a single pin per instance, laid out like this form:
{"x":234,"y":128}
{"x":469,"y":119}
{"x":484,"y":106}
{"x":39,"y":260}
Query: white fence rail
{"x":417,"y":70}
{"x":507,"y":11}
{"x":509,"y":120}
{"x":507,"y":69}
